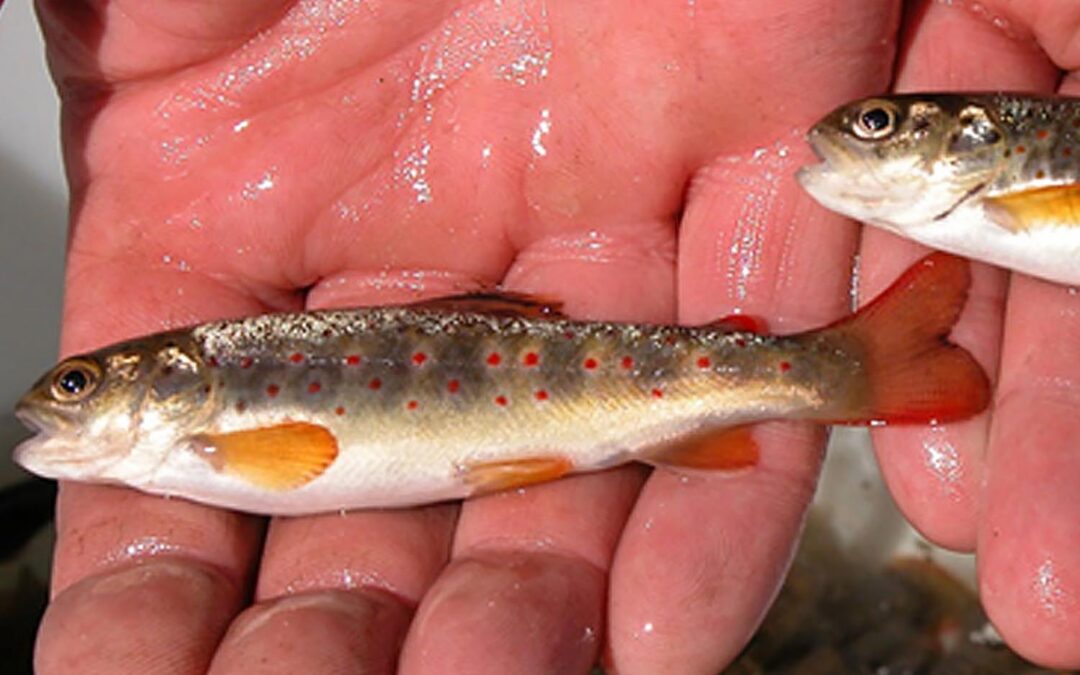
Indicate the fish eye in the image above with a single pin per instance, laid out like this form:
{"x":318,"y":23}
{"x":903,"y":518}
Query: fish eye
{"x":875,"y":121}
{"x":75,"y":381}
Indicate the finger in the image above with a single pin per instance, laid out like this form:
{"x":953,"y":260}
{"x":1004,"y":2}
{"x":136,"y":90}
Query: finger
{"x":164,"y":616}
{"x":751,"y":242}
{"x":325,"y":632}
{"x":1029,"y":561}
{"x":155,"y":581}
{"x":732,"y":535}
{"x":121,"y":40}
{"x":339,"y":590}
{"x":1028,"y":558}
{"x":106,"y":535}
{"x":526,"y":590}
{"x":935,"y":473}
{"x":348,"y":578}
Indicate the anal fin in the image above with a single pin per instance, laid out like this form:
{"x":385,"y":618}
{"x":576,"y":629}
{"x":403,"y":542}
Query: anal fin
{"x":279,"y":457}
{"x":1056,"y":206}
{"x":487,"y":477}
{"x":727,"y":449}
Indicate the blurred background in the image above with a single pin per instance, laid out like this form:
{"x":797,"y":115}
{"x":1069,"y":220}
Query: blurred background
{"x":33,"y":199}
{"x":33,"y":196}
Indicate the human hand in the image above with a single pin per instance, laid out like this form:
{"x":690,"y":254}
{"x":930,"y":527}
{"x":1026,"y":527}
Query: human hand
{"x":370,"y":153}
{"x":1001,"y":485}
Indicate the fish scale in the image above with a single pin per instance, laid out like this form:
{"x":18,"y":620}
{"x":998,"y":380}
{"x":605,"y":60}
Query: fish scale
{"x":1046,"y":130}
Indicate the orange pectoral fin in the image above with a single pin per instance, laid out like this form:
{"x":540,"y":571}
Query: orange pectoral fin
{"x":281,"y":457}
{"x":487,"y":477}
{"x":1057,"y":206}
{"x":723,"y":449}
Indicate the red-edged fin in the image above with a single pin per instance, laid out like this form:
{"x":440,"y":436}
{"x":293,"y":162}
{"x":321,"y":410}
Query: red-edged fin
{"x":1056,"y":206}
{"x":503,"y":303}
{"x":913,"y":373}
{"x":720,"y":449}
{"x":280,"y":457}
{"x":486,"y":477}
{"x":741,"y":323}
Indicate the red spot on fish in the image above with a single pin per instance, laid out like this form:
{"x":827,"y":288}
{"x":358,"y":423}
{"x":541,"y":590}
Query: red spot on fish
{"x":785,"y":366}
{"x":1066,"y":152}
{"x":1020,"y":149}
{"x":1076,"y":122}
{"x":531,"y":359}
{"x":418,"y":358}
{"x":590,"y":363}
{"x":658,"y":393}
{"x":494,"y":359}
{"x":314,"y":388}
{"x":453,"y":386}
{"x":296,"y":357}
{"x":213,"y":362}
{"x":569,"y":335}
{"x":273,"y":390}
{"x":352,"y":360}
{"x":339,"y":410}
{"x":627,"y":362}
{"x":704,"y":362}
{"x":327,"y":332}
{"x":1041,"y":134}
{"x":501,"y":400}
{"x":669,"y":340}
{"x":246,"y":362}
{"x":541,"y":395}
{"x":740,"y":342}
{"x":241,"y":406}
{"x":412,"y":405}
{"x":375,"y":384}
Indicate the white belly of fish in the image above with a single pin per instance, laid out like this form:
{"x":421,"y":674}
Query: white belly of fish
{"x":1048,"y":252}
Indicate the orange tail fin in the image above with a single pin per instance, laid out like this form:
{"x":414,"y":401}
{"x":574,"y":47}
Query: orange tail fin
{"x":915,"y":375}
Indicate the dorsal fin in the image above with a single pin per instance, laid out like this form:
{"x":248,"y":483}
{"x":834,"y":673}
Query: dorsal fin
{"x":741,"y":323}
{"x":500,"y":303}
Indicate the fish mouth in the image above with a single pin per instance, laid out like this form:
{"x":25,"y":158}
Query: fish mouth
{"x":828,"y":154}
{"x":28,"y":420}
{"x":826,"y":148}
{"x":43,"y":453}
{"x":35,"y":419}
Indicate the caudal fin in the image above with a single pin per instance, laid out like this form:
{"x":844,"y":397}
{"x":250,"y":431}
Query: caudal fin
{"x":915,"y":375}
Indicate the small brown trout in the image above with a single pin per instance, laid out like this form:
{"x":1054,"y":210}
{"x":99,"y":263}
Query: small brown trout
{"x":395,"y":406}
{"x":989,"y":176}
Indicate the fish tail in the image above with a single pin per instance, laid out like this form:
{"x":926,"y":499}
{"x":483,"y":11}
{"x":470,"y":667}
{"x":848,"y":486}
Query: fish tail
{"x":912,"y":373}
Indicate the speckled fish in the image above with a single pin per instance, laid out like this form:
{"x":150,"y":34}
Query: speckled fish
{"x":394,"y":406}
{"x":989,"y":176}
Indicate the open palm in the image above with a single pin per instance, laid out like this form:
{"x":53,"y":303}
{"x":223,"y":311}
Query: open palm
{"x":632,"y":159}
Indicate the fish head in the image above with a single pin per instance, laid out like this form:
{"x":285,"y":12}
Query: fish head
{"x":113,"y":414}
{"x":903,"y":161}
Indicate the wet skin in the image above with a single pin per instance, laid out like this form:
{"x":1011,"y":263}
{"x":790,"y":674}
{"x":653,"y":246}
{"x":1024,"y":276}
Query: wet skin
{"x":622,"y":174}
